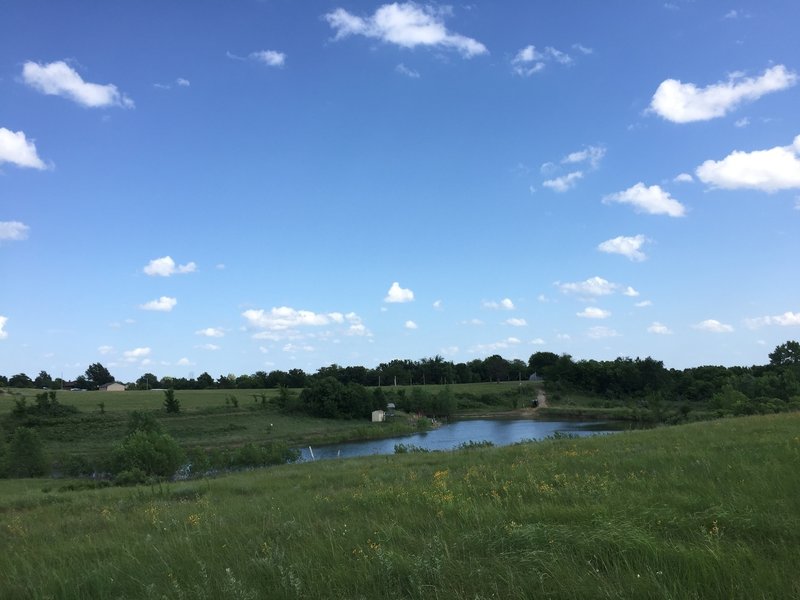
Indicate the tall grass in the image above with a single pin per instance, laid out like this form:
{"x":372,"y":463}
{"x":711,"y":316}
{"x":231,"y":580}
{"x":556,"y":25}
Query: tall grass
{"x":707,"y":510}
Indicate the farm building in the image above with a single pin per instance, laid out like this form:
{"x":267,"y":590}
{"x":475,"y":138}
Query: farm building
{"x":114,"y":386}
{"x":378,"y":416}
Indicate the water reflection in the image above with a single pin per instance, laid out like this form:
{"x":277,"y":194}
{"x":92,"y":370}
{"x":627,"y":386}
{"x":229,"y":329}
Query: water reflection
{"x":501,"y":432}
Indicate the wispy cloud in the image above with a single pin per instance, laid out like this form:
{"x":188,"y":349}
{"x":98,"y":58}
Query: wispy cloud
{"x":592,"y":312}
{"x":504,"y":304}
{"x":529,"y":61}
{"x":787,"y":319}
{"x":594,"y":286}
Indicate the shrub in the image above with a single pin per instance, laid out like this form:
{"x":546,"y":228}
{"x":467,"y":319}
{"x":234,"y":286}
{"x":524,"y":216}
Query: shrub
{"x":151,"y":452}
{"x":171,"y":403}
{"x":25,"y":456}
{"x":409,"y":449}
{"x":141,"y":421}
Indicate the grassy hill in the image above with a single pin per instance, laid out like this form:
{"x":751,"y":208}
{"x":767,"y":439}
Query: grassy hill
{"x":707,"y":510}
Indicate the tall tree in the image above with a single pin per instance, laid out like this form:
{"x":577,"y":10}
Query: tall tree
{"x":786,"y":354}
{"x":98,"y":375}
{"x":43,"y":380}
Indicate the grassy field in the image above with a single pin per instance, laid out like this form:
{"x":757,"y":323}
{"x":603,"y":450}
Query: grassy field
{"x":706,"y":510}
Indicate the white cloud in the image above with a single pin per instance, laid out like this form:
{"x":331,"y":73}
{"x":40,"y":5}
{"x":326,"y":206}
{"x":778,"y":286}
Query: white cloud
{"x":293,"y":348}
{"x":514,"y":322}
{"x":594,"y":286}
{"x":684,"y":178}
{"x":165,"y":267}
{"x":627,"y":246}
{"x":592,"y":312}
{"x":743,"y":122}
{"x":787,"y":319}
{"x":104,"y":350}
{"x":472,"y":322}
{"x":212,"y":332}
{"x":713,"y":326}
{"x":407,"y":25}
{"x":797,"y":203}
{"x":582,"y":49}
{"x":652,"y":200}
{"x":630,"y":292}
{"x":396,"y":294}
{"x":408,"y":72}
{"x":183,"y":82}
{"x":271,"y":58}
{"x":410,"y":325}
{"x":3,"y":332}
{"x":643,"y":304}
{"x":16,"y":149}
{"x":684,"y":102}
{"x":565,"y":182}
{"x":564,"y":337}
{"x":766,"y":170}
{"x":280,"y":322}
{"x":659,"y":329}
{"x":136,"y":354}
{"x":591,"y":154}
{"x":13,"y":231}
{"x":495,"y":346}
{"x":59,"y":79}
{"x":184,"y":362}
{"x":600,"y":332}
{"x":437,"y":305}
{"x":504,"y":304}
{"x":538,"y":342}
{"x":529,"y":60}
{"x":162,"y":304}
{"x":210,"y":347}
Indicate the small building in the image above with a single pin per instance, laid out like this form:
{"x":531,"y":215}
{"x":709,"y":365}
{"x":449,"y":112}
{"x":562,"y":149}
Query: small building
{"x":390,"y":408}
{"x":378,"y":416}
{"x":114,"y":386}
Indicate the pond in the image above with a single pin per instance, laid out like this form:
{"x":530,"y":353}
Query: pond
{"x":501,"y":432}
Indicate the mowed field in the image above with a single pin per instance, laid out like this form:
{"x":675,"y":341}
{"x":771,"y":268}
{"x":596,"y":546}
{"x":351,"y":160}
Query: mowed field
{"x":705,"y":510}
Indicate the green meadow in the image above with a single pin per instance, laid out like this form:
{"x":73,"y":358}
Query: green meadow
{"x":704,"y":510}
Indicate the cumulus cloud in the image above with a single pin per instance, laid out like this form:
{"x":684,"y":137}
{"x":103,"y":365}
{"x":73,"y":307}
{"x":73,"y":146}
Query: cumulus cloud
{"x":565,"y":182}
{"x":271,"y":58}
{"x":628,"y":246}
{"x":280,"y":322}
{"x":787,"y":319}
{"x":600,"y":332}
{"x":652,"y":200}
{"x":162,"y":304}
{"x":538,"y":342}
{"x":529,"y":60}
{"x":504,"y":304}
{"x":514,"y":322}
{"x":104,"y":350}
{"x":592,"y":312}
{"x":136,"y":354}
{"x":294,"y":348}
{"x":166,"y":267}
{"x":683,"y":178}
{"x":659,"y":329}
{"x":685,"y":102}
{"x":13,"y":231}
{"x":630,"y":292}
{"x":397,"y":295}
{"x":407,"y":25}
{"x":495,"y":346}
{"x":212,"y":332}
{"x":183,"y":82}
{"x":594,"y":286}
{"x":16,"y":149}
{"x":59,"y":79}
{"x":184,"y":362}
{"x":643,"y":304}
{"x":437,"y":305}
{"x":713,"y":326}
{"x":410,"y":325}
{"x":3,"y":332}
{"x":766,"y":170}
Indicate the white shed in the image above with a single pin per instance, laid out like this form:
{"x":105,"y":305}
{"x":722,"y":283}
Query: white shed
{"x":114,"y":386}
{"x":378,"y":416}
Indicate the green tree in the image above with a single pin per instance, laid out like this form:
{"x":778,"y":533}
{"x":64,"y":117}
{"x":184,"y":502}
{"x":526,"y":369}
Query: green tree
{"x":171,"y":403}
{"x":20,"y":380}
{"x":786,"y":354}
{"x":205,"y":381}
{"x":98,"y":375}
{"x":148,"y":381}
{"x":26,"y":454}
{"x":43,"y":380}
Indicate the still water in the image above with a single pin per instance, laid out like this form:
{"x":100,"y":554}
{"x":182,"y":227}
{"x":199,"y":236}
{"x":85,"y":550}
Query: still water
{"x":501,"y":432}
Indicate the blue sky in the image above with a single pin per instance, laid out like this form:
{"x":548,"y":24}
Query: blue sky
{"x":258,"y":185}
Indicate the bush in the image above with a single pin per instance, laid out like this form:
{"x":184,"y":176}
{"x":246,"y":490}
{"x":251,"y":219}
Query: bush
{"x":151,"y":452}
{"x":171,"y":403}
{"x":25,"y":457}
{"x":409,"y":449}
{"x":141,"y":421}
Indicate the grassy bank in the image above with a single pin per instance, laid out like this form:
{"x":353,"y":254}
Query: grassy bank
{"x":707,"y":510}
